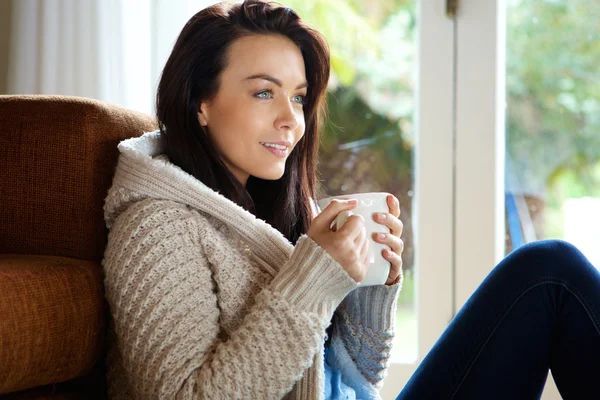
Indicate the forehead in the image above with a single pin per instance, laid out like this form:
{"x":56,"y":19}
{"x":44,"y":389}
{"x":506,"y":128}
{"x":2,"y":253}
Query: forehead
{"x":273,"y":55}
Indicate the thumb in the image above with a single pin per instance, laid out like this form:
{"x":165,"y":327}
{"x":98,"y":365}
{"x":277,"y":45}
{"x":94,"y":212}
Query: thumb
{"x":330,"y":213}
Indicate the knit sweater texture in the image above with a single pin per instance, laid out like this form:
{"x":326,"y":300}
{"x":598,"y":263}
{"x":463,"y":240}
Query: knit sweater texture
{"x":209,"y":302}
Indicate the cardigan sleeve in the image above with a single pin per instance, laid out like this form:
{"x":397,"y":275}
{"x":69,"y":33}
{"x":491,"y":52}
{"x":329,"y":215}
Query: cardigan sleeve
{"x":362,"y":338}
{"x":363,"y":334}
{"x":165,"y":313}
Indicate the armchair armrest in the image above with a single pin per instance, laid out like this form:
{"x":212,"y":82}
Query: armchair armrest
{"x":52,"y":319}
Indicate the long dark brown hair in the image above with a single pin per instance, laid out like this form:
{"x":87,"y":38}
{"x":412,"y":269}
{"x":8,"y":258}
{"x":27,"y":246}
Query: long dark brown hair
{"x":191,"y":75}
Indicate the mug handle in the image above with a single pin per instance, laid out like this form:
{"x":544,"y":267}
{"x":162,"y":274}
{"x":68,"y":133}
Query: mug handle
{"x":340,"y":220}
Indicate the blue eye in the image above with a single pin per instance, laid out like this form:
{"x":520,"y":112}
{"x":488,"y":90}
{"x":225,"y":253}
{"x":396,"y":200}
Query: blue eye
{"x":266,"y":94}
{"x":300,"y":98}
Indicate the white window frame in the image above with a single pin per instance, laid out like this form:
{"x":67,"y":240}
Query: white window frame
{"x":433,"y":206}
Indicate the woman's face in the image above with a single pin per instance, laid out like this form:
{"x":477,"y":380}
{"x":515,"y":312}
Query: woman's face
{"x":257,"y":117}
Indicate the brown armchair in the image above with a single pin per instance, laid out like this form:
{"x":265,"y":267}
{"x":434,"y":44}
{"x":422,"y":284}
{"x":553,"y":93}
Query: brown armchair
{"x":57,"y":158}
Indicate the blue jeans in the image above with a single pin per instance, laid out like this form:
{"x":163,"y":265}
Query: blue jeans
{"x":538,"y":309}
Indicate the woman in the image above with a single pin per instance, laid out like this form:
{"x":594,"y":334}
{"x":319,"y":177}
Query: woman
{"x":222,"y":279}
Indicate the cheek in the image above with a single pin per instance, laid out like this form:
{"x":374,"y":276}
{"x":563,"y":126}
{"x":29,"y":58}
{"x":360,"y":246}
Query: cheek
{"x":244,"y":113}
{"x":237,"y":124}
{"x":300,"y":130}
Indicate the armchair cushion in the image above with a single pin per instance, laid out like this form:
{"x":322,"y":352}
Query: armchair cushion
{"x":52,"y":319}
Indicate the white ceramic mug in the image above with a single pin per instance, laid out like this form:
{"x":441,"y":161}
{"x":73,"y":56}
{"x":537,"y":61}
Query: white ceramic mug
{"x":368,"y":204}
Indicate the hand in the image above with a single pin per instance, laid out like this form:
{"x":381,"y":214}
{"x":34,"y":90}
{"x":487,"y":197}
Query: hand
{"x":349,"y":245}
{"x":391,"y":239}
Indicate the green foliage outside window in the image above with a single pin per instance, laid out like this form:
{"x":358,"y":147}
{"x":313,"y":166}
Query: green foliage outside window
{"x":553,"y":98}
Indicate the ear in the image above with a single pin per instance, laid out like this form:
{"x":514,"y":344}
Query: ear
{"x":203,"y":114}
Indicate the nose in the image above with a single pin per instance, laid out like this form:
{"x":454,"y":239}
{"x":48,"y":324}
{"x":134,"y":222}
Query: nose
{"x":287,"y":116}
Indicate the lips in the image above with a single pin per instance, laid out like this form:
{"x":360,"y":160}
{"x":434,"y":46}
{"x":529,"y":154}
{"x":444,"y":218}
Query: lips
{"x":276,"y":149}
{"x":275,"y":146}
{"x":279,"y":143}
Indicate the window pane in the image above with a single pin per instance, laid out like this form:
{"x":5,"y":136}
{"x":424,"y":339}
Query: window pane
{"x":368,"y":142}
{"x":553,"y":125}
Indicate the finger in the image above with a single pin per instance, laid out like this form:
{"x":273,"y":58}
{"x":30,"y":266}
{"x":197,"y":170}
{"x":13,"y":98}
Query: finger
{"x":330,"y":213}
{"x":394,"y":205}
{"x":359,"y":240}
{"x":392,"y":222}
{"x":394,"y":242}
{"x":353,"y":226}
{"x":391,"y":281}
{"x":364,"y":254}
{"x":395,"y":265}
{"x":394,"y":259}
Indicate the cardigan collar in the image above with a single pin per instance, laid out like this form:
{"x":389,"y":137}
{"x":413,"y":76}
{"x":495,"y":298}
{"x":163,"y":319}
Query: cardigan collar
{"x":145,"y":169}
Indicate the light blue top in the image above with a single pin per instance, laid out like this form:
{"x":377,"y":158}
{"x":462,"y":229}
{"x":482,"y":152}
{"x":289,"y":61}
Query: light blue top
{"x":335,"y":389}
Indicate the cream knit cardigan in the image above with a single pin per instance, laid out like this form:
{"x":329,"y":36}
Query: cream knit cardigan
{"x":207,"y":301}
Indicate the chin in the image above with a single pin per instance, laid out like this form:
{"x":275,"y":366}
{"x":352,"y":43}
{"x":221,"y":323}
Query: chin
{"x":271,"y":175}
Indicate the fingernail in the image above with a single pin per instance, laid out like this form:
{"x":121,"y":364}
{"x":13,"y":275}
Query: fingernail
{"x":381,"y":236}
{"x":382,"y":216}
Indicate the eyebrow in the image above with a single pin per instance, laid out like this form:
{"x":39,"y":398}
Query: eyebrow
{"x":274,"y":80}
